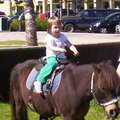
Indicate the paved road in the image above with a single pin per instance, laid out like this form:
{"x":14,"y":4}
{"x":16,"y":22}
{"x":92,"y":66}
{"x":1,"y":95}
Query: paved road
{"x":75,"y":38}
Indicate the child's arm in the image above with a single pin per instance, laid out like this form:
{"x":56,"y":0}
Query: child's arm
{"x":72,"y":48}
{"x":118,"y":69}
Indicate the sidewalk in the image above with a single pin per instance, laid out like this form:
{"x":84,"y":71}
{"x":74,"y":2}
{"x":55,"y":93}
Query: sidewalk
{"x":75,"y":38}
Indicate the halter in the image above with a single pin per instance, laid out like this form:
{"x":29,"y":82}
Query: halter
{"x":102,"y":104}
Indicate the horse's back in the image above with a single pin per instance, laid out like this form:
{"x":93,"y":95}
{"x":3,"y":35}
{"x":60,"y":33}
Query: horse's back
{"x":21,"y":70}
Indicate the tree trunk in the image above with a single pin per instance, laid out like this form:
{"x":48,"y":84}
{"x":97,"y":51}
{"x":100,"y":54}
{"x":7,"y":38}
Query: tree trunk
{"x":31,"y":35}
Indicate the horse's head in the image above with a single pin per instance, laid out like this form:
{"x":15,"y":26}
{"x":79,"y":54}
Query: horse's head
{"x":104,"y":87}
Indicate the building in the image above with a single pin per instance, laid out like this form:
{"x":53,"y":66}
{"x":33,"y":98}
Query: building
{"x":44,"y":5}
{"x":101,"y":4}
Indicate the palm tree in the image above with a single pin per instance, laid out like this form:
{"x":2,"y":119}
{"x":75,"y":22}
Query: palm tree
{"x":1,"y":1}
{"x":31,"y":35}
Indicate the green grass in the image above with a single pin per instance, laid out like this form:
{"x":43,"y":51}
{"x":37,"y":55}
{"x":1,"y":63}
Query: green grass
{"x":5,"y":113}
{"x":11,"y":42}
{"x":95,"y":113}
{"x":14,"y":43}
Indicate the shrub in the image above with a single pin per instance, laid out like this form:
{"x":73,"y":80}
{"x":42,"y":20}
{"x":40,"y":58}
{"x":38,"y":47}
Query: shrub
{"x":14,"y":25}
{"x":41,"y":25}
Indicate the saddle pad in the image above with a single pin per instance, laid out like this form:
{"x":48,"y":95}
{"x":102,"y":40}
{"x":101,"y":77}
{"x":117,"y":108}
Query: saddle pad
{"x":32,"y":77}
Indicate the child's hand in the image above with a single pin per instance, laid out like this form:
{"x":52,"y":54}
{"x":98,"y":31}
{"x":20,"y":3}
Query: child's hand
{"x":76,"y":53}
{"x":63,"y":50}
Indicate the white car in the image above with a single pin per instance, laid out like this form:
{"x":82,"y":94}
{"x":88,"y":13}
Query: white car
{"x":118,"y":28}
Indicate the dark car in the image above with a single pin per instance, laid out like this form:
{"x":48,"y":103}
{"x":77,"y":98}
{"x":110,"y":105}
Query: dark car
{"x":106,"y":25}
{"x":2,"y":13}
{"x":16,"y":16}
{"x":83,"y":20}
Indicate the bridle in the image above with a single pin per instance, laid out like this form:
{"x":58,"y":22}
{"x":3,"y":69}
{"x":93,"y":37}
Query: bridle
{"x":102,"y":104}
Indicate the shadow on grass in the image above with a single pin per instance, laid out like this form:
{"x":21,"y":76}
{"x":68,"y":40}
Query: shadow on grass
{"x":2,"y":99}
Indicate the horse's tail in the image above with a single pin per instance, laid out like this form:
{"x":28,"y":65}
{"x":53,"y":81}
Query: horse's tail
{"x":18,"y":108}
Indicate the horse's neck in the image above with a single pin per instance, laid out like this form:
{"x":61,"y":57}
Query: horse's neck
{"x":80,"y":78}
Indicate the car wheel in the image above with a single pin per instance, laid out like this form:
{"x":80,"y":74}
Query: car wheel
{"x":111,"y":30}
{"x":69,"y":28}
{"x":103,"y":30}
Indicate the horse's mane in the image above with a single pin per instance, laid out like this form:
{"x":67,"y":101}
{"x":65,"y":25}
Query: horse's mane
{"x":109,"y":77}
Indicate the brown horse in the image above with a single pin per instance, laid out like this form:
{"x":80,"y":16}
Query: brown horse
{"x":79,"y":85}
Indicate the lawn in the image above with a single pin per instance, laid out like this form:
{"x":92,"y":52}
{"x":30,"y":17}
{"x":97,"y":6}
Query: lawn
{"x":95,"y":113}
{"x":15,"y":43}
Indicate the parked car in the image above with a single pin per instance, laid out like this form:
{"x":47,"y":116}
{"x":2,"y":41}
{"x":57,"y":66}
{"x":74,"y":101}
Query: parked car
{"x":16,"y":16}
{"x":4,"y":22}
{"x":107,"y":25}
{"x":2,"y":13}
{"x":19,"y":16}
{"x":117,"y":29}
{"x":83,"y":20}
{"x":56,"y":12}
{"x":5,"y":16}
{"x":44,"y":15}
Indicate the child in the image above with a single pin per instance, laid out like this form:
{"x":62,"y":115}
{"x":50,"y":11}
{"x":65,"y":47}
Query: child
{"x":55,"y":43}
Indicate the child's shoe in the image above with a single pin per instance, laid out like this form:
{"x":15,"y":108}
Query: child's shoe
{"x":38,"y":87}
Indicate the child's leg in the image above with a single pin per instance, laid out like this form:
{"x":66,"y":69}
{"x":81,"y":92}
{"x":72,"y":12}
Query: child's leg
{"x":47,"y":69}
{"x":44,"y":73}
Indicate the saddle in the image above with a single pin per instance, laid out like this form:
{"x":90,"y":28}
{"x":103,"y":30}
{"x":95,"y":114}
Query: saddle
{"x":51,"y":85}
{"x":60,"y":66}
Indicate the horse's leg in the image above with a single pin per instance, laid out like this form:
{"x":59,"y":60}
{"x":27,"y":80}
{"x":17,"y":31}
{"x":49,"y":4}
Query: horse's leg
{"x":83,"y":119}
{"x":43,"y":118}
{"x":19,"y":110}
{"x":67,"y":118}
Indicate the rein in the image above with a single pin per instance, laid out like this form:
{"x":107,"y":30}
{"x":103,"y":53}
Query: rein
{"x":102,"y":104}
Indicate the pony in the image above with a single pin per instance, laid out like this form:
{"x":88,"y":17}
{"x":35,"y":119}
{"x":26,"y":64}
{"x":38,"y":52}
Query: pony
{"x":79,"y":85}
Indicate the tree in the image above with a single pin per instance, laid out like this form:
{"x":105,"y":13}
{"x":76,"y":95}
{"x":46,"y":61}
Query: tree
{"x":31,"y":35}
{"x":1,"y":1}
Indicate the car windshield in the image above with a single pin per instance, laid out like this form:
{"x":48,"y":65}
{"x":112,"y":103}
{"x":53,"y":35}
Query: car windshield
{"x":110,"y":16}
{"x":80,"y":13}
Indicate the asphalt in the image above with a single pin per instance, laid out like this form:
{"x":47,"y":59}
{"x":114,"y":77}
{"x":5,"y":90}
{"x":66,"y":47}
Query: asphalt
{"x":77,"y":38}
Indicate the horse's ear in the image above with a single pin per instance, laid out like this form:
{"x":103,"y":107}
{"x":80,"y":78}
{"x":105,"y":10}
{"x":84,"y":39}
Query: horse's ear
{"x":96,"y":68}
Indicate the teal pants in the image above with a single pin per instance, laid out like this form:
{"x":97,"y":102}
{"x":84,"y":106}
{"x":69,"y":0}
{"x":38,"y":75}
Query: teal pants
{"x":47,"y":69}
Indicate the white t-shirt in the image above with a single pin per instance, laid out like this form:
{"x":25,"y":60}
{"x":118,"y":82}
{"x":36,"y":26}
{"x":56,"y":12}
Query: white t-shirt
{"x":57,"y":42}
{"x":119,"y":59}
